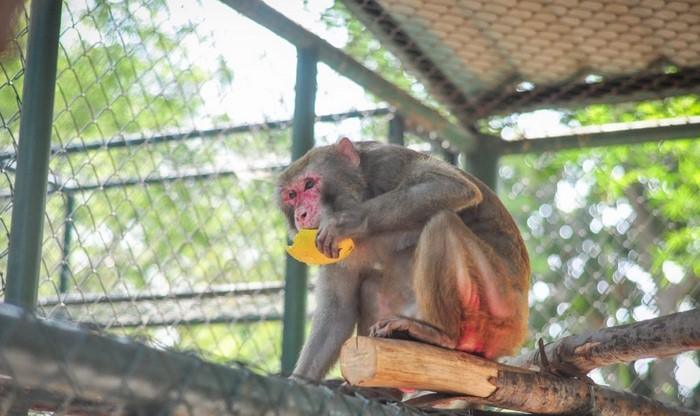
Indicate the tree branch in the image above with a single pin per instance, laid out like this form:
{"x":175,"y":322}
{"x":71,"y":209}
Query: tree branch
{"x":659,"y":337}
{"x":376,"y":362}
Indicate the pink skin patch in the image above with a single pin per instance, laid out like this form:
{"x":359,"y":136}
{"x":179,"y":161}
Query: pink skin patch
{"x":471,"y":339}
{"x":304,"y":195}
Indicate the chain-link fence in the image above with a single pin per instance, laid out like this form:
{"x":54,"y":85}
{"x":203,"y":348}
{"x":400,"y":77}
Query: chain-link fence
{"x":609,"y":248}
{"x":171,"y":120}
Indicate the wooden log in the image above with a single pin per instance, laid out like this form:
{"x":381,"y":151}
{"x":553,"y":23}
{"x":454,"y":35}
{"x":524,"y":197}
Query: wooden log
{"x":654,"y":338}
{"x":376,"y":362}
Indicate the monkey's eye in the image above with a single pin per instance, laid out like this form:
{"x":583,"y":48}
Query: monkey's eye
{"x":309,"y":184}
{"x":292,"y":194}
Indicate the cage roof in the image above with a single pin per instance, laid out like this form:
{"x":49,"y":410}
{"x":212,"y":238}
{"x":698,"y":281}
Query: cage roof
{"x":498,"y":56}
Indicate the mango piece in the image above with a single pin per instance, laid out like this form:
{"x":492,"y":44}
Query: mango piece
{"x":304,"y":249}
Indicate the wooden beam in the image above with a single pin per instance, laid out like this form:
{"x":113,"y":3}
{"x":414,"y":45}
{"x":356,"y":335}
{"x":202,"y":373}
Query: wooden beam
{"x":376,"y":362}
{"x":418,"y":116}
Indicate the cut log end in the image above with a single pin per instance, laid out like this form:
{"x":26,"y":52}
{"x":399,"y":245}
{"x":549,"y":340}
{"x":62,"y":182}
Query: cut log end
{"x":358,"y":361}
{"x":376,"y":362}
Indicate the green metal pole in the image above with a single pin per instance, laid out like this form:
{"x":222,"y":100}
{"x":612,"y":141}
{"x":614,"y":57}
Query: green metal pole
{"x":295,"y":279}
{"x":483,"y":161}
{"x":26,"y":231}
{"x":67,"y":237}
{"x":450,"y":157}
{"x":397,"y":127}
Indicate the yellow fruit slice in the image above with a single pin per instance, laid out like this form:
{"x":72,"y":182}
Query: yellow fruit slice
{"x":304,"y":249}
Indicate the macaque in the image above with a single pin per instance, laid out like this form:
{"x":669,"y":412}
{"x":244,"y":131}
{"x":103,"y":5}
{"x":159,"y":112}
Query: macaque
{"x":437,"y":257}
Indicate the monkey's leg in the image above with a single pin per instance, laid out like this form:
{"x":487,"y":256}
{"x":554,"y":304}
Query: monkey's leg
{"x":441,"y":281}
{"x":337,"y":290}
{"x":465,"y":295}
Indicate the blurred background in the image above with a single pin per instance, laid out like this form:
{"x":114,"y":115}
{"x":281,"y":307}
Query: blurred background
{"x":172,"y":119}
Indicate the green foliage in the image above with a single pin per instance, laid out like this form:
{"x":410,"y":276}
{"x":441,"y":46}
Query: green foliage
{"x":607,"y":222}
{"x":254,"y":344}
{"x":667,"y":174}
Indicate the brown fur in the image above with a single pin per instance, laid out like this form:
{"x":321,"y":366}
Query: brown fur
{"x":434,"y":278}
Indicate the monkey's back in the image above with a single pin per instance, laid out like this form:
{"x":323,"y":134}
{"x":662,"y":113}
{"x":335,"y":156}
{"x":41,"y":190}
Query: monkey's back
{"x":491,"y":221}
{"x":385,"y":166}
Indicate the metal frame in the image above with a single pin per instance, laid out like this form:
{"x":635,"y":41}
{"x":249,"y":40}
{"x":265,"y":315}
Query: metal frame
{"x":143,"y":139}
{"x":236,"y":289}
{"x":223,"y":318}
{"x":296,"y":273}
{"x":614,"y":134}
{"x":31,"y":178}
{"x":397,"y":127}
{"x":578,"y":92}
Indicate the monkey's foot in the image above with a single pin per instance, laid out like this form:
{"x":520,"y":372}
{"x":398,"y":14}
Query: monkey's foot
{"x":405,"y":328}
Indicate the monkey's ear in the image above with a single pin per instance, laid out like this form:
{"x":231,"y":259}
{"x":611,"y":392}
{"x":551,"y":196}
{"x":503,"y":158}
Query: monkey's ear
{"x":348,"y":151}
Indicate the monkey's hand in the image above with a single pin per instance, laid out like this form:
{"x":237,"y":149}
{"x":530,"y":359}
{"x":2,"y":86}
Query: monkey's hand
{"x":337,"y":227}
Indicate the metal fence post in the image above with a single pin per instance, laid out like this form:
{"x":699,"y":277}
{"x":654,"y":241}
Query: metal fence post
{"x":397,"y":126}
{"x":482,"y":162}
{"x":67,"y":237}
{"x":26,"y":232}
{"x":450,"y":157}
{"x":295,"y":279}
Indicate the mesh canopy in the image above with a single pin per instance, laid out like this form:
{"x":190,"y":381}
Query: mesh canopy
{"x":481,"y":57}
{"x":481,"y":44}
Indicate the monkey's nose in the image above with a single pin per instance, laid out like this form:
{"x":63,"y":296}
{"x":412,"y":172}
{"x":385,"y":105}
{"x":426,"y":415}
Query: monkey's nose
{"x":300,"y":216}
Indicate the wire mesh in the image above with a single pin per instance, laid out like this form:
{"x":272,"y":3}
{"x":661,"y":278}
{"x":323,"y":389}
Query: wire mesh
{"x":160,"y":222}
{"x":611,"y":232}
{"x":169,"y":127}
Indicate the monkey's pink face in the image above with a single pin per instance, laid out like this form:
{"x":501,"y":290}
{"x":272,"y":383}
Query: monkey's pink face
{"x":304,"y":196}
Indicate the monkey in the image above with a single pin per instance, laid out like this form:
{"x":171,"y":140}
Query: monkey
{"x":437,"y":259}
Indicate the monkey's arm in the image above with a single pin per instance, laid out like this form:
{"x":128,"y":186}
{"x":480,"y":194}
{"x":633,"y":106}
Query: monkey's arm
{"x":426,"y":189}
{"x":418,"y":198}
{"x":333,"y":321}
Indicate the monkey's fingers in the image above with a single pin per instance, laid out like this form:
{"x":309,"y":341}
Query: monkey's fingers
{"x":322,"y":241}
{"x":330,"y":247}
